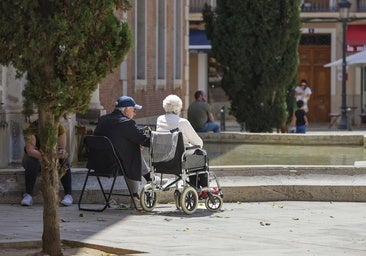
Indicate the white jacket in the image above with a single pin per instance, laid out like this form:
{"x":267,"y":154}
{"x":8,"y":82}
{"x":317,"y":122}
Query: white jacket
{"x":170,"y":121}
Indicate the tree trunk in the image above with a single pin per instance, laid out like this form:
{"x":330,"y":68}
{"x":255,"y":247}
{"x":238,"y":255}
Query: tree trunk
{"x":51,"y":242}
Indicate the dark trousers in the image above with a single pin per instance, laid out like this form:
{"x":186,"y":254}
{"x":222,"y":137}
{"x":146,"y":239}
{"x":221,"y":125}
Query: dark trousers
{"x":32,"y":168}
{"x":202,"y":180}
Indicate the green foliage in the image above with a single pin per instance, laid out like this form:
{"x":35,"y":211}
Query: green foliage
{"x":257,"y":43}
{"x":209,"y":18}
{"x":65,"y":48}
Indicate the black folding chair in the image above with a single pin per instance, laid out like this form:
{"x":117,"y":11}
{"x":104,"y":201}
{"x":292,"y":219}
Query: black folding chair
{"x":102,"y":162}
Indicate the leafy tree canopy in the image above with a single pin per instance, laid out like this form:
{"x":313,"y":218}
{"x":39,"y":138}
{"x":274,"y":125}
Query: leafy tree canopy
{"x":257,"y":43}
{"x":65,"y":48}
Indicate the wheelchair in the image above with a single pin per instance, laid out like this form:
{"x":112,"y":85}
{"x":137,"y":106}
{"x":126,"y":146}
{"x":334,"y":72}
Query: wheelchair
{"x":168,"y":155}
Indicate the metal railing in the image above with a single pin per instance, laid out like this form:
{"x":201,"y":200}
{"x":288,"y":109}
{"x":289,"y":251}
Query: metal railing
{"x":319,"y":6}
{"x":329,"y":5}
{"x":197,"y":5}
{"x":307,"y":5}
{"x":361,"y":6}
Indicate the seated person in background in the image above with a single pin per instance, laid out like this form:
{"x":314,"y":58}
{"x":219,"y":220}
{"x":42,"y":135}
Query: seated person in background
{"x":172,"y":105}
{"x":200,"y":115}
{"x":32,"y":165}
{"x":127,"y":139}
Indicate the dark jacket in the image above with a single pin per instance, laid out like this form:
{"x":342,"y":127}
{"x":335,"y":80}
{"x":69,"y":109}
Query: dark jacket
{"x":126,"y":138}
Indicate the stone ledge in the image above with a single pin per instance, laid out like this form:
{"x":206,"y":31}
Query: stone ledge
{"x":296,"y":193}
{"x":284,"y":138}
{"x":239,"y":183}
{"x":269,"y":170}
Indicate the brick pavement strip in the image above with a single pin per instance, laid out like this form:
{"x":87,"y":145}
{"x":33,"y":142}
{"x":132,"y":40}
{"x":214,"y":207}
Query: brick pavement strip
{"x":265,"y":228}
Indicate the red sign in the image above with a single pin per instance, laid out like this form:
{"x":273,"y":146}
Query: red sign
{"x":356,"y":38}
{"x":356,"y":48}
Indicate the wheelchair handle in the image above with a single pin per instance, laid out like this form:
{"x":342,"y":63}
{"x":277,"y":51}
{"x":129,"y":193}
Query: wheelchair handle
{"x":193,"y":147}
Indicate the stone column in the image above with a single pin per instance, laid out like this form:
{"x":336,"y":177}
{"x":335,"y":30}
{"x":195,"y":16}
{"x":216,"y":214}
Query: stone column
{"x":202,"y":72}
{"x":94,"y":112}
{"x":4,"y":133}
{"x":12,"y":120}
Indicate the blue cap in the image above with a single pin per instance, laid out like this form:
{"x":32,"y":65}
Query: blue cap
{"x":126,"y":101}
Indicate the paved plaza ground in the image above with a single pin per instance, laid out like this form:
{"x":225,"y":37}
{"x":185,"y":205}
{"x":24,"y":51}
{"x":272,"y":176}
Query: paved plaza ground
{"x":241,"y":228}
{"x":265,"y":228}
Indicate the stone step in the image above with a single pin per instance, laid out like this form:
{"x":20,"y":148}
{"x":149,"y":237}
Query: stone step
{"x":355,"y":138}
{"x":238,"y":183}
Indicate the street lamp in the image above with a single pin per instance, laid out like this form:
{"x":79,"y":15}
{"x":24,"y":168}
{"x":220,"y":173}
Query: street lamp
{"x":344,"y":7}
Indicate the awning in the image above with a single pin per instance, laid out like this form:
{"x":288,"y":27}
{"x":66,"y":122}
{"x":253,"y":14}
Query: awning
{"x":198,"y":41}
{"x":353,"y":59}
{"x":356,"y":38}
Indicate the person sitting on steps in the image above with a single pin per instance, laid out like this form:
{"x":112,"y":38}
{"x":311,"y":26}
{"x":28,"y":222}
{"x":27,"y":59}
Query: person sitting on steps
{"x":32,"y":165}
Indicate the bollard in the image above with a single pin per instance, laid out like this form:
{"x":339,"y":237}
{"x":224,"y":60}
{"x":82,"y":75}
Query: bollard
{"x":222,"y":123}
{"x":242,"y":127}
{"x":349,"y":119}
{"x":3,"y":122}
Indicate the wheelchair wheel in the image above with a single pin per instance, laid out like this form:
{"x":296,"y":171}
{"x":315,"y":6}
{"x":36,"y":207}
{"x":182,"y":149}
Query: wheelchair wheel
{"x":214,"y":203}
{"x":148,"y":198}
{"x":177,"y":195}
{"x":189,"y":200}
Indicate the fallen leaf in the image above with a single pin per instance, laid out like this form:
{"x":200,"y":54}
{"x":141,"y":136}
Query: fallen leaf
{"x":264,"y":223}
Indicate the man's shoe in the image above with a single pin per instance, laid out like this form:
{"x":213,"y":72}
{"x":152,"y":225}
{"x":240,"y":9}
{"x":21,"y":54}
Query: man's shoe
{"x":165,"y":181}
{"x":67,"y":201}
{"x":157,"y":180}
{"x":27,"y":200}
{"x":137,"y":203}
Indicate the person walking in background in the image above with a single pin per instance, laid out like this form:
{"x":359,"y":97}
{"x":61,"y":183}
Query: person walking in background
{"x":32,"y":165}
{"x":301,"y":119}
{"x":303,"y":92}
{"x":200,"y":115}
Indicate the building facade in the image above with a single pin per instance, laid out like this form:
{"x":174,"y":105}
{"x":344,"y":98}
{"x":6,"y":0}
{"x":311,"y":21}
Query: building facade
{"x":171,"y":55}
{"x":321,"y":43}
{"x":156,"y":66}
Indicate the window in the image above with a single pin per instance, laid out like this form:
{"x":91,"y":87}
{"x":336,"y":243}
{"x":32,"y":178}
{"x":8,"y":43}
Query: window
{"x":1,"y":85}
{"x":315,"y":39}
{"x":178,"y":49}
{"x":161,"y":44}
{"x":140,"y":45}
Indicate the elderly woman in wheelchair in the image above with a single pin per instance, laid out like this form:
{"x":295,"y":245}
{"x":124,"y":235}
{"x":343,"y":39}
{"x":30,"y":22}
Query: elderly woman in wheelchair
{"x":175,"y":148}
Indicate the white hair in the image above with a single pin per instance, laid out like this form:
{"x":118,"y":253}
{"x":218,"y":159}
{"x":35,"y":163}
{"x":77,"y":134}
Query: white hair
{"x":172,"y":104}
{"x":122,"y":109}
